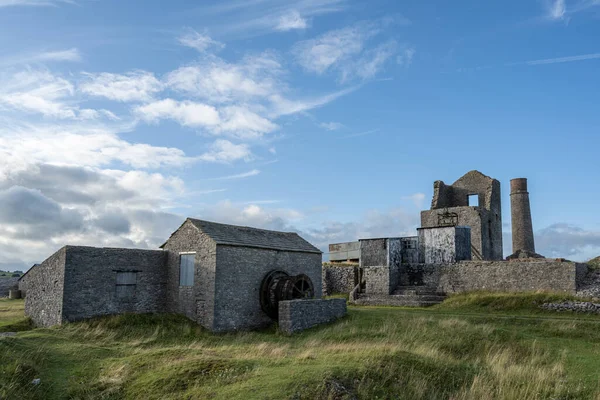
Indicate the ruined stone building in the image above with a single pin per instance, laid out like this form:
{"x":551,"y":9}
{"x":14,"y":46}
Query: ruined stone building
{"x":473,"y":200}
{"x":224,"y":277}
{"x":458,"y":249}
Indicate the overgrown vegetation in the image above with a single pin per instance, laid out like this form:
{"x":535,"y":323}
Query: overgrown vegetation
{"x":476,"y":346}
{"x":594,"y":263}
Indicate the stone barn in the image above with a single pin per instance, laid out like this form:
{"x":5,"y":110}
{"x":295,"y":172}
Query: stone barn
{"x":215,"y":271}
{"x":224,"y":277}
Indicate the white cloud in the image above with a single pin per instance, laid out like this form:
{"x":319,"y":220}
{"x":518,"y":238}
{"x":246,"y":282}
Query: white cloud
{"x":70,"y":55}
{"x":218,"y":81}
{"x":346,"y":51}
{"x":234,"y":121}
{"x":38,"y":92}
{"x":248,"y":174}
{"x":291,"y":20}
{"x":79,"y":145}
{"x":567,"y":241}
{"x":225,"y":151}
{"x":583,"y":57}
{"x":198,"y":41}
{"x":331,"y":126}
{"x":557,"y":9}
{"x":332,"y":48}
{"x":133,"y":86}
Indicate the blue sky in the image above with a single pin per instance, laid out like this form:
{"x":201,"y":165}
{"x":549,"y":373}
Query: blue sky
{"x":328,"y":117}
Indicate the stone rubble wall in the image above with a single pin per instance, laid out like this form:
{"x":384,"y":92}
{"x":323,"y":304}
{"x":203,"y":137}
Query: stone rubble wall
{"x":297,"y":315}
{"x":339,"y":278}
{"x":45,"y":286}
{"x":6,"y":284}
{"x":90,"y":281}
{"x":573,"y":306}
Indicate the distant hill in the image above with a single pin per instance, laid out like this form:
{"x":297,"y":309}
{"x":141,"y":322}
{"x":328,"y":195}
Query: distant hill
{"x":9,"y":274}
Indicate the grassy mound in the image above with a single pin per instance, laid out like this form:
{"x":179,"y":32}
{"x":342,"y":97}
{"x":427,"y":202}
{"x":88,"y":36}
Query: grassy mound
{"x":503,"y":302}
{"x":377,"y":352}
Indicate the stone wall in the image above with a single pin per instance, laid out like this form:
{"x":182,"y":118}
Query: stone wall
{"x":339,"y":278}
{"x":197,"y":301}
{"x":496,"y":276}
{"x":90,"y":282}
{"x":44,"y":301}
{"x":379,"y":280}
{"x":297,"y":315}
{"x":6,"y":284}
{"x":239,"y":275}
{"x":373,"y":252}
{"x":444,"y":245}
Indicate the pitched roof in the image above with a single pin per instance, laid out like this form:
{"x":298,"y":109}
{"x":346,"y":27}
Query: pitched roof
{"x":253,"y":237}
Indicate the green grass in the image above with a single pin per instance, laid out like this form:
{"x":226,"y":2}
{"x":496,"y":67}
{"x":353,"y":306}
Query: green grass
{"x":476,"y":346}
{"x":8,"y":274}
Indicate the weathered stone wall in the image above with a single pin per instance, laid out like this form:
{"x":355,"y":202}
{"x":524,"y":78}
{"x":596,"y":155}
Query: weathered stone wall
{"x":485,"y":221}
{"x":378,"y":280}
{"x":44,"y":301}
{"x":90,"y":281}
{"x":6,"y":284}
{"x":496,"y":276}
{"x":197,"y":301}
{"x":410,"y":250}
{"x":297,"y":315}
{"x":444,"y":245}
{"x":373,"y":252}
{"x":239,"y":275}
{"x":339,"y":279}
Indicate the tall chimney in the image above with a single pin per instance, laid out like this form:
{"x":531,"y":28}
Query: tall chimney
{"x":522,"y":228}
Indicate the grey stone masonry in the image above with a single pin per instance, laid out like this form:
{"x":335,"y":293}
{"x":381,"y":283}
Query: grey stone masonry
{"x":6,"y":284}
{"x":93,"y":283}
{"x":450,"y":207}
{"x":444,"y":245}
{"x":239,"y":275}
{"x":44,"y":301}
{"x":339,"y":278}
{"x":297,"y":315}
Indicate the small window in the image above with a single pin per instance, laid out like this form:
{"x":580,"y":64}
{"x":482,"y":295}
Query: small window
{"x":186,"y":269}
{"x":473,"y":200}
{"x":126,"y":282}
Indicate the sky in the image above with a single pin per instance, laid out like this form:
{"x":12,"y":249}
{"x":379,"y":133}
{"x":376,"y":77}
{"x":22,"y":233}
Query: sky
{"x":330,"y":118}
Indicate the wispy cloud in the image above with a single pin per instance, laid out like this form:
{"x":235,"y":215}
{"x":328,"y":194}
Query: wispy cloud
{"x":226,"y":152}
{"x":557,"y":9}
{"x":582,"y":57}
{"x":348,"y":51}
{"x":290,"y":21}
{"x":69,"y":55}
{"x":248,"y":174}
{"x":198,"y":41}
{"x":563,"y":10}
{"x":331,"y":126}
{"x":39,"y":3}
{"x":133,"y":86}
{"x":370,"y":132}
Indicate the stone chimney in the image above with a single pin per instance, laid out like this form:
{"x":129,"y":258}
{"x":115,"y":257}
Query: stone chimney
{"x":523,"y":245}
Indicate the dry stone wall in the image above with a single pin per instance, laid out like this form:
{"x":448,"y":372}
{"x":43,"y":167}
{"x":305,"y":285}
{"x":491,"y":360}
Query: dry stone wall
{"x":297,"y":315}
{"x":6,"y":284}
{"x":339,"y":279}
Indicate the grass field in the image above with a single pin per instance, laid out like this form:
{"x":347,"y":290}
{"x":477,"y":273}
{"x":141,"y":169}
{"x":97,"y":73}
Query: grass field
{"x":477,"y":346}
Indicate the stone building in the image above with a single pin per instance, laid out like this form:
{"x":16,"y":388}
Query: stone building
{"x":459,"y":249}
{"x":473,"y":200}
{"x":224,"y":277}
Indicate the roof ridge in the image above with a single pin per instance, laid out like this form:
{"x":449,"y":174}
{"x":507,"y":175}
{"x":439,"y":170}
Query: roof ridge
{"x":243,"y":226}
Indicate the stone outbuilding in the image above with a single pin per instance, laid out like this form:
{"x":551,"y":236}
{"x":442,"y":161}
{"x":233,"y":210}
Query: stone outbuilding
{"x":229,"y":265}
{"x":224,"y":277}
